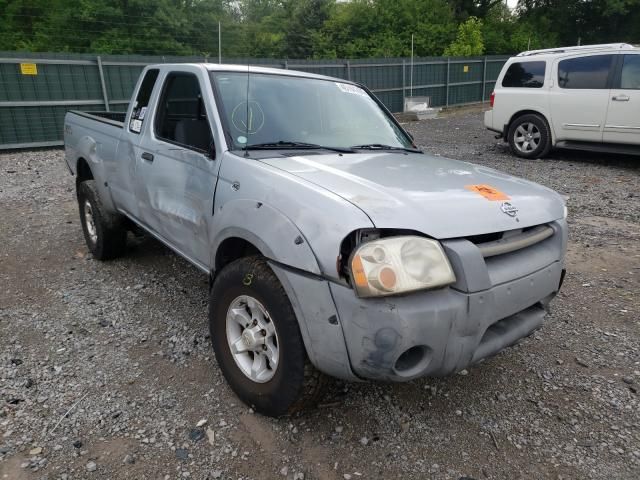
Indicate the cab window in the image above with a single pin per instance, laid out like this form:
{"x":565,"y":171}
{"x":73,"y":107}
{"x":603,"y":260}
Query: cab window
{"x":181,"y":117}
{"x":142,"y":100}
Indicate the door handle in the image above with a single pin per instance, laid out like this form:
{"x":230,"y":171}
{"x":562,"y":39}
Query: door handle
{"x":147,"y":156}
{"x":621,"y":98}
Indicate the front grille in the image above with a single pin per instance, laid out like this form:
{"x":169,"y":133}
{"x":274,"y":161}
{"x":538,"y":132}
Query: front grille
{"x":500,"y":243}
{"x":487,"y":237}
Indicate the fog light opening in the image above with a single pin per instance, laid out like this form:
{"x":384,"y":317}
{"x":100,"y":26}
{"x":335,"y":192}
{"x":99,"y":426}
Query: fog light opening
{"x":413,"y":361}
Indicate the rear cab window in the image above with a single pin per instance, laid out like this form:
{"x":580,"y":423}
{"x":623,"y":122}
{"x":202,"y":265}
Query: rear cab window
{"x":582,"y":73}
{"x":142,"y":100}
{"x":525,"y":75}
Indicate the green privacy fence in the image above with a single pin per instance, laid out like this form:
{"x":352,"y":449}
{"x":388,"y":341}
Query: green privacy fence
{"x":37,"y":89}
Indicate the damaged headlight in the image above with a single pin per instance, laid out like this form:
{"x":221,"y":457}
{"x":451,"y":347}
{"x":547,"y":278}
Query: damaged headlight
{"x":393,"y":265}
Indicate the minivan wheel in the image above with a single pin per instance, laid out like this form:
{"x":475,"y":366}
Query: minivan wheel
{"x":257,"y":341}
{"x":530,"y":136}
{"x":104,"y":232}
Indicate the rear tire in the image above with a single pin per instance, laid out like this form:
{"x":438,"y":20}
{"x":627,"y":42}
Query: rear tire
{"x":530,"y":136}
{"x":104,"y":231}
{"x":250,"y":313}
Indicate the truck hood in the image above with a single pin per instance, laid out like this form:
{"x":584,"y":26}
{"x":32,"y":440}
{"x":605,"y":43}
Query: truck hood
{"x":439,"y":197}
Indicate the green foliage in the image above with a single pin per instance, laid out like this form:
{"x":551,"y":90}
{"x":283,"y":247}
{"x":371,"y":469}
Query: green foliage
{"x":566,"y":22}
{"x":468,"y":42}
{"x":464,"y":9}
{"x":303,"y":25}
{"x":312,"y":28}
{"x":383,"y":28}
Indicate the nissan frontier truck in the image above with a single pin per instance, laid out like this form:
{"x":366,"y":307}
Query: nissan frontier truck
{"x":333,"y":246}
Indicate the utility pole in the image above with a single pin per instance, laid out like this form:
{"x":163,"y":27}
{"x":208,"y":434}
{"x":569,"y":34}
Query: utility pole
{"x":219,"y":43}
{"x":411,"y":73}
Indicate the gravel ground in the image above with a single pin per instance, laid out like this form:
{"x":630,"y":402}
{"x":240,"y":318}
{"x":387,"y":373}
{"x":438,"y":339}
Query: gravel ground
{"x":106,"y":370}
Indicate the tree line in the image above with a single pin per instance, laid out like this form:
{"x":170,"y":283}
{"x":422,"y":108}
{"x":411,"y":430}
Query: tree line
{"x":312,"y":29}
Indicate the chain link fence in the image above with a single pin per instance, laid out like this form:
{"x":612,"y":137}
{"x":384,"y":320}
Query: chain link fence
{"x":37,"y":89}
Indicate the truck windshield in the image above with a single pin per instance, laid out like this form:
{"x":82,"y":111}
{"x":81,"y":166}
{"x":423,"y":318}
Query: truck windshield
{"x":297,"y":112}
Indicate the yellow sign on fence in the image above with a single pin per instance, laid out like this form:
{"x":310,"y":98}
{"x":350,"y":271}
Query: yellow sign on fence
{"x":28,"y":69}
{"x":466,"y":69}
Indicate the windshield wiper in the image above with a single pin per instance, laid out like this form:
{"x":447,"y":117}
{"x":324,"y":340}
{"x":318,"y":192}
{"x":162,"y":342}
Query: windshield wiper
{"x":381,"y":146}
{"x":294,"y":145}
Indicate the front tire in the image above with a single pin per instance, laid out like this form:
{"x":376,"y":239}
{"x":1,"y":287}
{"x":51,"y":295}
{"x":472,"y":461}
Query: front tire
{"x":257,"y":340}
{"x":104,"y":231}
{"x":530,"y":136}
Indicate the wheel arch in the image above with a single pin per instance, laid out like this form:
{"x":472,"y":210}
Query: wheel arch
{"x":529,"y":111}
{"x":232,"y":248}
{"x":254,"y":225}
{"x":83,"y":171}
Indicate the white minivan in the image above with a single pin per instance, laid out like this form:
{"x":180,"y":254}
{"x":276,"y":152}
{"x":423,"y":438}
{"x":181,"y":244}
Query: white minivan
{"x":585,"y":98}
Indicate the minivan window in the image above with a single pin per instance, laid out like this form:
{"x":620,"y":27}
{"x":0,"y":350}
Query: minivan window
{"x":182,"y":117}
{"x":525,"y":75}
{"x":142,"y":100}
{"x":585,"y":72}
{"x":630,"y":78}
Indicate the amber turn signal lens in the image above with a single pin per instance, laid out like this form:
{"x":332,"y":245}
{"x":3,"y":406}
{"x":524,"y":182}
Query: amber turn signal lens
{"x":359,"y":275}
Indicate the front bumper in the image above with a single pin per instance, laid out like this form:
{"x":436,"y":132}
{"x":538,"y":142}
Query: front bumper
{"x":495,"y":303}
{"x":440,"y":332}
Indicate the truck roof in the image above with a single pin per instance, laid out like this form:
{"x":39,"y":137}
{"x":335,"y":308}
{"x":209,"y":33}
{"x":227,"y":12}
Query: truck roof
{"x":213,"y":67}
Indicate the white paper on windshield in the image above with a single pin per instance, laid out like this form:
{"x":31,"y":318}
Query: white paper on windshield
{"x":348,"y":88}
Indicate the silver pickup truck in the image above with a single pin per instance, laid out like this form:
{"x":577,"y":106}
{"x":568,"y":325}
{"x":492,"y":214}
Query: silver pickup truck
{"x":332,"y":244}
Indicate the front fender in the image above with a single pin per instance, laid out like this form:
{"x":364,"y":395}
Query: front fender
{"x":268,"y":229}
{"x":292,"y":259}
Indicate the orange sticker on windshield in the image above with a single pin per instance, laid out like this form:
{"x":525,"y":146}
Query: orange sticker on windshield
{"x":488,"y":192}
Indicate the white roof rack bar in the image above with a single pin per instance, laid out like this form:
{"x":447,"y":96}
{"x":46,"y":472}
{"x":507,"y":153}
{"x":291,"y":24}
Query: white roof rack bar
{"x":603,"y":46}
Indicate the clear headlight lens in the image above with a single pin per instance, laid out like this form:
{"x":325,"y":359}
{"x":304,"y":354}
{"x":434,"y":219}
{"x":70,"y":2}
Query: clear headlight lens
{"x":395,"y":265}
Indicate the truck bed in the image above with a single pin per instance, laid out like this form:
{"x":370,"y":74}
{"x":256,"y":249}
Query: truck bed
{"x":112,"y":118}
{"x":93,"y":135}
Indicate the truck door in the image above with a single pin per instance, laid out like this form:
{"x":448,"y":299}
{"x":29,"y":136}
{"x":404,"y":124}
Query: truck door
{"x":580,"y":97}
{"x":176,"y":174}
{"x":122,"y":172}
{"x":623,"y":117}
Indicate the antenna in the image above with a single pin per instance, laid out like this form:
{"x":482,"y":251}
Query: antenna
{"x":246,"y":120}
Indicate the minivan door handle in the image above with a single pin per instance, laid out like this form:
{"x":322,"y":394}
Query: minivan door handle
{"x":147,"y":156}
{"x":621,"y":98}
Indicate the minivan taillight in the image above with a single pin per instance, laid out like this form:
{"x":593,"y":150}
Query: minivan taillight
{"x":492,"y":99}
